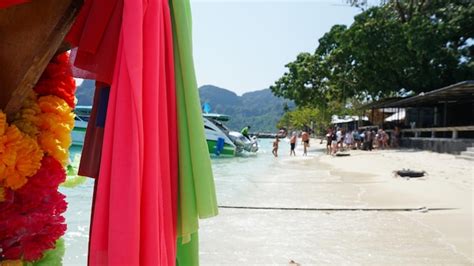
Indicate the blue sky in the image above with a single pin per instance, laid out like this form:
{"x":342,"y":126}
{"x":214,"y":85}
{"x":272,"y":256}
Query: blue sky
{"x":243,"y":45}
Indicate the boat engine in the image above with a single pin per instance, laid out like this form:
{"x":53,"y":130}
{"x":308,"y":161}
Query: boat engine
{"x":242,"y":143}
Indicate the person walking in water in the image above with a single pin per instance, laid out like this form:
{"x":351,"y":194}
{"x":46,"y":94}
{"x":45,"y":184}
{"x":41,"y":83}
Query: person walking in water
{"x":275,"y":147}
{"x":305,"y":140}
{"x":293,"y":144}
{"x":245,"y":132}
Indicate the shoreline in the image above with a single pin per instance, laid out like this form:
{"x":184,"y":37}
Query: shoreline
{"x":308,"y":221}
{"x":449,"y":184}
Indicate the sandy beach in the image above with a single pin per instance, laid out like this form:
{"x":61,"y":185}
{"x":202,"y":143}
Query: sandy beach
{"x":310,"y":214}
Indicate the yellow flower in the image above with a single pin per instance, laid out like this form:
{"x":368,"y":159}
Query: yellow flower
{"x":20,"y":156}
{"x":27,"y":119}
{"x":3,"y":123}
{"x":11,"y":263}
{"x":56,"y":122}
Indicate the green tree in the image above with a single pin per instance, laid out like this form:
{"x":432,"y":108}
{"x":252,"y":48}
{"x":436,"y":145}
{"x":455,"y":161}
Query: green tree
{"x":397,"y":46}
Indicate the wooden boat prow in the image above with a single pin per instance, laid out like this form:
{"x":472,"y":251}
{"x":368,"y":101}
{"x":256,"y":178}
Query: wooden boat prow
{"x":30,"y":35}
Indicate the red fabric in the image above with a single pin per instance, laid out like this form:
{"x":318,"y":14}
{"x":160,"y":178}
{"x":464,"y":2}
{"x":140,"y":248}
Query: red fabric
{"x":9,"y":3}
{"x":134,"y":219}
{"x":92,"y":148}
{"x":95,"y":34}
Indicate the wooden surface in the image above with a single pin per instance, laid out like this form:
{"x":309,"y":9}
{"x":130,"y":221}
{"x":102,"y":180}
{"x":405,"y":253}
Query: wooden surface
{"x":30,"y":35}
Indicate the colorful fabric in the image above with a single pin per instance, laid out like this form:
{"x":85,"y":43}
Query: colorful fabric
{"x":95,"y":33}
{"x":134,"y":214}
{"x":93,"y":141}
{"x":197,"y":197}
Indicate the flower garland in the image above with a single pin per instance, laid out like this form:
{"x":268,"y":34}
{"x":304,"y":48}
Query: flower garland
{"x":57,"y":80}
{"x":50,"y":120}
{"x":33,"y":153}
{"x":20,"y":156}
{"x":56,"y":124}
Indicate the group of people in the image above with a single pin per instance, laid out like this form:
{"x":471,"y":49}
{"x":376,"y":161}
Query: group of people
{"x":365,"y":139}
{"x":339,"y":139}
{"x":293,"y":140}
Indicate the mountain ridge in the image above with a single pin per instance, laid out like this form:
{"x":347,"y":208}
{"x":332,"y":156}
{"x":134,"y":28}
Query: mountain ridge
{"x":260,"y":109}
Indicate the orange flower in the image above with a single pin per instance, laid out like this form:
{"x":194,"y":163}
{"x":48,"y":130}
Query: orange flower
{"x":2,"y":194}
{"x":56,"y":122}
{"x":11,"y":263}
{"x":27,"y":119}
{"x":20,"y":156}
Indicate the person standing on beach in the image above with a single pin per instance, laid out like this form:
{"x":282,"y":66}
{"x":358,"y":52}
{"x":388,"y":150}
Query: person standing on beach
{"x":275,"y":147}
{"x":368,"y":140}
{"x":348,"y":140}
{"x":329,"y":141}
{"x":395,"y":138}
{"x":293,"y":144}
{"x":305,"y":140}
{"x":339,"y":138}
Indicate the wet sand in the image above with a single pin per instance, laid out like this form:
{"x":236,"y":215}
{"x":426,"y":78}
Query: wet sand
{"x":407,"y":229}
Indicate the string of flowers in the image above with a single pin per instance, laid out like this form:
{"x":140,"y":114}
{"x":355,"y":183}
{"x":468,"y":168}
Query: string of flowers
{"x":33,"y":153}
{"x":20,"y":156}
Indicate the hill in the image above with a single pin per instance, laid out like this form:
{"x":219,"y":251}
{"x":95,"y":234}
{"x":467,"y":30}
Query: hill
{"x":259,"y":109}
{"x":85,"y":92}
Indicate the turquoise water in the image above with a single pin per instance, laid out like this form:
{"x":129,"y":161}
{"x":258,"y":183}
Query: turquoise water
{"x":254,"y":237}
{"x":80,"y":198}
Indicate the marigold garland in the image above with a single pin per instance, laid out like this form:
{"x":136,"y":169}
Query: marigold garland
{"x":27,"y":119}
{"x":57,"y":80}
{"x":2,"y":193}
{"x":11,"y":263}
{"x":20,"y":155}
{"x":31,"y":207}
{"x":56,"y":122}
{"x":31,"y":221}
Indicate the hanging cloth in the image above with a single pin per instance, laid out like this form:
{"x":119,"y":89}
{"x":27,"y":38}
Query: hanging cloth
{"x":135,"y":206}
{"x":196,"y":191}
{"x":95,"y":33}
{"x":92,"y":148}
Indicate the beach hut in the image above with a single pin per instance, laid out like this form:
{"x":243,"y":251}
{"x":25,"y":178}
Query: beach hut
{"x":440,"y":120}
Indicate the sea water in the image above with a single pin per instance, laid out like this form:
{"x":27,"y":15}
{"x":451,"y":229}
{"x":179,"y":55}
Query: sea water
{"x":256,"y":226}
{"x":80,"y":198}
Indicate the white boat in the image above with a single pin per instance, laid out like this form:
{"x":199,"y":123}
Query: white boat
{"x":217,"y":138}
{"x":81,"y":119}
{"x":220,"y":140}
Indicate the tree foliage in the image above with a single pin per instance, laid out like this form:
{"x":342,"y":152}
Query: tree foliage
{"x":391,"y":48}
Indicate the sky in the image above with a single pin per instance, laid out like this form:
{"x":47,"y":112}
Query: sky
{"x":244,"y":45}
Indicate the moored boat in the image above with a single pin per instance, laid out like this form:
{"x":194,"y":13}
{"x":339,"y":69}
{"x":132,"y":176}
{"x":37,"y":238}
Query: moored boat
{"x":220,"y":140}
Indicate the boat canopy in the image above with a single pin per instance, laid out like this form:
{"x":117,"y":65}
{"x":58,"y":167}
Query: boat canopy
{"x":218,"y":117}
{"x":83,"y":109}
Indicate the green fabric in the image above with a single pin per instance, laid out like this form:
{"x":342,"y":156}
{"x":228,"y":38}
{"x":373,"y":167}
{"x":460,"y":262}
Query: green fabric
{"x":196,"y":191}
{"x":187,"y":254}
{"x":245,"y":131}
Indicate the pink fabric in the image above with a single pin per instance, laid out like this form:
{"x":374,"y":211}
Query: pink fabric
{"x":134,"y":219}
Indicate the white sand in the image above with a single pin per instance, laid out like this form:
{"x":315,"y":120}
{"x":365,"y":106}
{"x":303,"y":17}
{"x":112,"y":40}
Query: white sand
{"x":362,"y":180}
